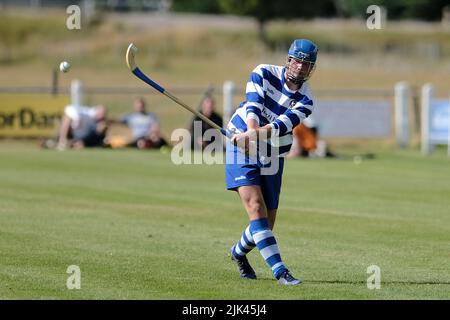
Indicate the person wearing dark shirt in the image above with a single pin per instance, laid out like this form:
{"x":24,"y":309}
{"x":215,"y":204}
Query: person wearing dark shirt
{"x":207,"y":108}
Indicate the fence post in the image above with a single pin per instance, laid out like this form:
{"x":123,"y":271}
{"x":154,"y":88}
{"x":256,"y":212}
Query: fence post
{"x":402,"y":98}
{"x":55,"y":83}
{"x":76,"y":93}
{"x":427,"y":95}
{"x":88,"y":11}
{"x":228,"y":95}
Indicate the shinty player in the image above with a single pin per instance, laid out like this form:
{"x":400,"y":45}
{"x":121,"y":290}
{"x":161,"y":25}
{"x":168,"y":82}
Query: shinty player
{"x":277,"y":99}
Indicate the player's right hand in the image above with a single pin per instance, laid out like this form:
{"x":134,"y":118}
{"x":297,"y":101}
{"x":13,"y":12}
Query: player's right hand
{"x":246,"y":142}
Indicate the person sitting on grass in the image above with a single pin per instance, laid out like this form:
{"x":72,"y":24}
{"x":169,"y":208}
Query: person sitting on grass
{"x":144,"y":126}
{"x":83,"y":127}
{"x":152,"y":140}
{"x":306,"y":142}
{"x":207,"y":108}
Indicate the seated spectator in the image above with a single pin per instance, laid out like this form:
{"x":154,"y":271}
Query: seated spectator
{"x":82,"y":127}
{"x":144,"y":126}
{"x":152,"y":140}
{"x":207,"y":107}
{"x":306,"y":142}
{"x":139,"y":121}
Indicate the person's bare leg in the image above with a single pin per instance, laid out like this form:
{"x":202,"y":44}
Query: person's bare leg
{"x":246,"y":244}
{"x":253,"y":201}
{"x":271,"y":215}
{"x":260,"y":231}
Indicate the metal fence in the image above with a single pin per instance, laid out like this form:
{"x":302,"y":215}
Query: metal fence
{"x":349,"y":113}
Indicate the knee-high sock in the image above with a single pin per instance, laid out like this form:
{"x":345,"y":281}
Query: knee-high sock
{"x":267,"y":245}
{"x":245,"y":245}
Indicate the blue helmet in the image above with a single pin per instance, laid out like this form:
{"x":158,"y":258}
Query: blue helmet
{"x":303,"y":50}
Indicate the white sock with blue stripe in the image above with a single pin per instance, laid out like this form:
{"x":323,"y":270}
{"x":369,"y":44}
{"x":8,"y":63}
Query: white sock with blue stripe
{"x":245,"y":245}
{"x":267,"y":245}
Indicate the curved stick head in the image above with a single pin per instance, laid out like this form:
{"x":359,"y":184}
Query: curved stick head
{"x":131,"y":51}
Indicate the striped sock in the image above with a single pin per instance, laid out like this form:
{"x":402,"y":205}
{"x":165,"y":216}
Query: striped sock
{"x":267,"y":245}
{"x":245,"y":245}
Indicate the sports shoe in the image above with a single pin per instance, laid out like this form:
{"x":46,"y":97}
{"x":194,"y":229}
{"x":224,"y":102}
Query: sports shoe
{"x":287,"y":279}
{"x":245,"y":269}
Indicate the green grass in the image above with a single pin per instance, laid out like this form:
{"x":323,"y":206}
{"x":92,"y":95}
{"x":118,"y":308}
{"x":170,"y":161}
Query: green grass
{"x":140,"y":227}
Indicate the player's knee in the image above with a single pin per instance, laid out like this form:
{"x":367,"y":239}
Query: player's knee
{"x":257,"y":207}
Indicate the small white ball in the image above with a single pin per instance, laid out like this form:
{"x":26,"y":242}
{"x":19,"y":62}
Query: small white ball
{"x":64,"y":66}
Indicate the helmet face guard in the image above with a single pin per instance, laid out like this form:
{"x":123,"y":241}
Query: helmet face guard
{"x":301,"y":60}
{"x":299,"y":71}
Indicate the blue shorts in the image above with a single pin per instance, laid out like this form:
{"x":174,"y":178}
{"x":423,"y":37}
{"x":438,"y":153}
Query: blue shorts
{"x":239,"y":174}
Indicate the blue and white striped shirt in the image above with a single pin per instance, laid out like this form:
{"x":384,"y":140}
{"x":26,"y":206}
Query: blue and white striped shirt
{"x":269,"y":100}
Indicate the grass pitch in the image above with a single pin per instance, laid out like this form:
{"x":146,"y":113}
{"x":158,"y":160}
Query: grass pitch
{"x":140,"y":227}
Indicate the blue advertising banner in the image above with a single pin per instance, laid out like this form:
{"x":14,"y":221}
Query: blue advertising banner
{"x":439,"y":121}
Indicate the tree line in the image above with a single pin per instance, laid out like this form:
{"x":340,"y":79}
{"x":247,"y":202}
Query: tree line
{"x":264,"y":10}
